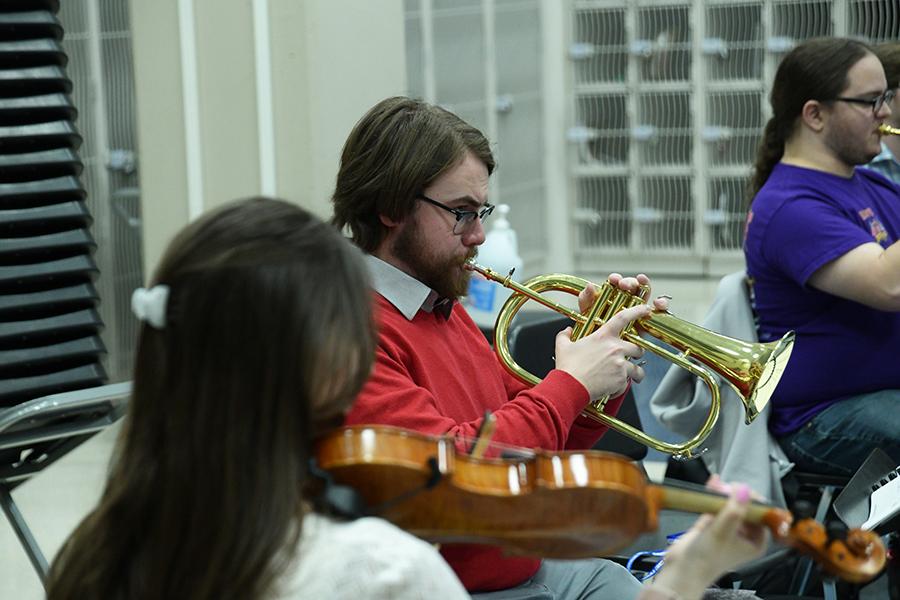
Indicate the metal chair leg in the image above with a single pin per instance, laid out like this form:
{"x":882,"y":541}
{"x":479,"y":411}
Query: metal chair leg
{"x":829,"y":590}
{"x":24,"y":534}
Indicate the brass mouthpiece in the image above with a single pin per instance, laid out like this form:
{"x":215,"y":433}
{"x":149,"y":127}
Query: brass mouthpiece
{"x":888,"y":130}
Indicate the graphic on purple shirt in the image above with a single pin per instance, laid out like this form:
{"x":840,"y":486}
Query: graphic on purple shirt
{"x":801,"y":220}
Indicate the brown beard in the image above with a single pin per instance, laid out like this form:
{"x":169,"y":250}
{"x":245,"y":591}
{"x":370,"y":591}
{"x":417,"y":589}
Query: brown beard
{"x":845,"y":145}
{"x":446,"y":277}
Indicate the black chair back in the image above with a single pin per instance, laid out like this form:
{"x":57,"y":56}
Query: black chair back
{"x":51,"y":398}
{"x":531,"y":342}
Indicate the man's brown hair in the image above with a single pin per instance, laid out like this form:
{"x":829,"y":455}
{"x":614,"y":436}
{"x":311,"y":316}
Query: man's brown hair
{"x":889,"y":55}
{"x":815,"y":70}
{"x":393,"y":153}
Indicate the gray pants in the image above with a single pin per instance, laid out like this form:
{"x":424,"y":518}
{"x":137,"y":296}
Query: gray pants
{"x":591,"y":579}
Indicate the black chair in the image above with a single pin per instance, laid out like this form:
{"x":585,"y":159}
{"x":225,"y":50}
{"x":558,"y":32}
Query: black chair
{"x":531,"y":342}
{"x":52,"y":396}
{"x":37,"y":433}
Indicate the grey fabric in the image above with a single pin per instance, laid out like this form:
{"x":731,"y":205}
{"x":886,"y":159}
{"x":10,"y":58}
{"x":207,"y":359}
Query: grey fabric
{"x":737,"y":452}
{"x":717,"y":594}
{"x":589,"y":579}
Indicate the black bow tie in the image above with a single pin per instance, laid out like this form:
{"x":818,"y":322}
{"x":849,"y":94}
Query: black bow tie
{"x":443,"y":307}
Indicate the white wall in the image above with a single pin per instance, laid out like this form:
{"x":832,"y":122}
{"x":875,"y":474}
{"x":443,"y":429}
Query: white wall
{"x":330,"y":60}
{"x":218,"y":121}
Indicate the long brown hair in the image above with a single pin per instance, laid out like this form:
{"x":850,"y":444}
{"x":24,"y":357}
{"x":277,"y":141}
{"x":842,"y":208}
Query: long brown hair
{"x":394,"y":152}
{"x":269,"y":338}
{"x":815,"y":70}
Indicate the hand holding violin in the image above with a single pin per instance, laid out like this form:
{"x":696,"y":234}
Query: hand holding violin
{"x":714,"y":545}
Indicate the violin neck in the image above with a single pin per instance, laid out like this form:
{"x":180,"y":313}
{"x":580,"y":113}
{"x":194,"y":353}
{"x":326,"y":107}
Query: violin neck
{"x":686,"y":498}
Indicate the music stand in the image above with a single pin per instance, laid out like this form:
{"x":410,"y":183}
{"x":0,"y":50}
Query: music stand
{"x":853,"y":505}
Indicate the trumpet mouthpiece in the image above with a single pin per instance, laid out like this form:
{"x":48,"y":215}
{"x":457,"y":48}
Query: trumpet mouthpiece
{"x":488,"y":273}
{"x":888,"y":130}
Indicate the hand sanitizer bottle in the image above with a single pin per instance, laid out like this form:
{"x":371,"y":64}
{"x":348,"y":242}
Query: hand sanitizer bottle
{"x":500,"y":252}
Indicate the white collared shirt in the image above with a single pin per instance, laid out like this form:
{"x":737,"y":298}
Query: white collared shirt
{"x":406,"y":293}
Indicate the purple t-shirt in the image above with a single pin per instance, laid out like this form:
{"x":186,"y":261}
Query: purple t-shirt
{"x":800,"y":220}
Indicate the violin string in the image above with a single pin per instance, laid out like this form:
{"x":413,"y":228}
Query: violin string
{"x":466,"y":441}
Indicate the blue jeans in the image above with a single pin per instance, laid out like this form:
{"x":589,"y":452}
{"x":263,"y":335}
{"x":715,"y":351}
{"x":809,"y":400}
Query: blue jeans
{"x":839,"y":439}
{"x":593,"y":579}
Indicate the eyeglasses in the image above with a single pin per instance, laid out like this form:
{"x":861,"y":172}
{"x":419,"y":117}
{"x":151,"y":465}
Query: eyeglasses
{"x":465,"y":219}
{"x":876,"y":103}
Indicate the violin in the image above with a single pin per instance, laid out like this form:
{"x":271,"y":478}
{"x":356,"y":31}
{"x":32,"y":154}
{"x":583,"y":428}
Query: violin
{"x":571,"y":504}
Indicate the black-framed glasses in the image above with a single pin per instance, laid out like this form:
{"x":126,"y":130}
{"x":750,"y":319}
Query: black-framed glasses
{"x":465,"y":219}
{"x":876,"y":103}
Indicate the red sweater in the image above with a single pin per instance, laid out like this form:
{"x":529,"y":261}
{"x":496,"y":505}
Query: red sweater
{"x":438,"y":377}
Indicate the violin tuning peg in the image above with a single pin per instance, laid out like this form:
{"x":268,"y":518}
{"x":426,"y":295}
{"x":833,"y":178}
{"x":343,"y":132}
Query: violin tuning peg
{"x":858,"y":543}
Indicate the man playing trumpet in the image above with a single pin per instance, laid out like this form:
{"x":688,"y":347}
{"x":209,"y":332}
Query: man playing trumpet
{"x":412,"y":190}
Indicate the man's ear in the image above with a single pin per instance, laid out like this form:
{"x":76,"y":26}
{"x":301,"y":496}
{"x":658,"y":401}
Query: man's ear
{"x":813,"y":114}
{"x":387,"y":221}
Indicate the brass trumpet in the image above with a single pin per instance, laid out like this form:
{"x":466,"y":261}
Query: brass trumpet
{"x":752,"y":369}
{"x":888,"y":130}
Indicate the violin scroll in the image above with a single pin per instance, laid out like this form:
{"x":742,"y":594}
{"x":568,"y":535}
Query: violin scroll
{"x":857,"y":557}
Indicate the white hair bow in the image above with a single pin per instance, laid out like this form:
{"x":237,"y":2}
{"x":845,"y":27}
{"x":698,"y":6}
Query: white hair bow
{"x":150,"y":305}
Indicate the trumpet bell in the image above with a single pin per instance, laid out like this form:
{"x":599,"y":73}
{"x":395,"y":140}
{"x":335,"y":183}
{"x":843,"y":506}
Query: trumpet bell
{"x":775,"y":359}
{"x":751,"y":369}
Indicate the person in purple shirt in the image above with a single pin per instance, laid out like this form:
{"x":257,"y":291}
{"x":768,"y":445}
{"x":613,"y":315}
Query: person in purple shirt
{"x":823,"y":258}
